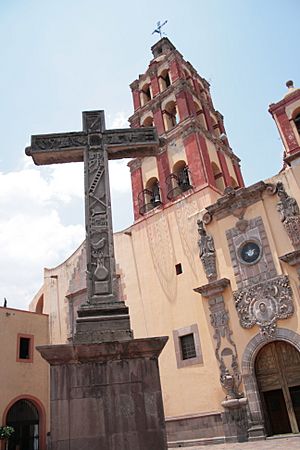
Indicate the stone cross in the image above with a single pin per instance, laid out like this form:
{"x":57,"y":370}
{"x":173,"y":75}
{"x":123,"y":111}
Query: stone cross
{"x":95,"y":145}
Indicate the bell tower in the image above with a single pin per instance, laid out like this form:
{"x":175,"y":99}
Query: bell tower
{"x":286,"y":114}
{"x":196,"y":155}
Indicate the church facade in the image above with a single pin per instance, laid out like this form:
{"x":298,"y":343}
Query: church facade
{"x":208,"y":262}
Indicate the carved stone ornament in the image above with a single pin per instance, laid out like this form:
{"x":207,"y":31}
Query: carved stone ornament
{"x":290,"y":214}
{"x":207,"y":252}
{"x":225,"y":351}
{"x":265,"y":303}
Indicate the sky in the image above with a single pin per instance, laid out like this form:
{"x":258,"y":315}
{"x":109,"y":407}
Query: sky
{"x":62,"y":57}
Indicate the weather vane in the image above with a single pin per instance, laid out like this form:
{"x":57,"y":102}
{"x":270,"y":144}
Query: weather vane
{"x":159,"y":27}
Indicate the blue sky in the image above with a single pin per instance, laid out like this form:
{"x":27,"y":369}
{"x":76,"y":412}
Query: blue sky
{"x":61,"y":57}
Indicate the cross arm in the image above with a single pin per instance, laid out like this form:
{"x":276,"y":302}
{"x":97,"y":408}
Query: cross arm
{"x":57,"y":148}
{"x":131,"y":142}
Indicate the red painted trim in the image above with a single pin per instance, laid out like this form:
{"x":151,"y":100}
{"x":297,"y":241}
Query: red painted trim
{"x":206,"y":160}
{"x":224,"y":168}
{"x":182,"y":105}
{"x":136,"y":99}
{"x":159,"y":121}
{"x":154,"y":86}
{"x":31,"y":347}
{"x":137,"y":187}
{"x":291,"y":143}
{"x":163,"y":168}
{"x":194,"y":160}
{"x":174,"y":71}
{"x":207,"y":118}
{"x":42,"y":417}
{"x":239,"y":175}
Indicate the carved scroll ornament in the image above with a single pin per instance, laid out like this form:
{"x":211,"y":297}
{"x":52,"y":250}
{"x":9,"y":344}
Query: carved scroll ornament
{"x":265,"y":303}
{"x":225,"y":351}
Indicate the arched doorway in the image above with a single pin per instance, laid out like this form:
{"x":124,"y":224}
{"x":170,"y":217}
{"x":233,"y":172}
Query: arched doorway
{"x":23,"y":416}
{"x":277,"y":369}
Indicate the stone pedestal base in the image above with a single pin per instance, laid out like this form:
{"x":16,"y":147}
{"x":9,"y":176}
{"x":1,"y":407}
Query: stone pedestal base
{"x":106,"y":396}
{"x":107,"y":321}
{"x":256,"y":433}
{"x":235,"y":420}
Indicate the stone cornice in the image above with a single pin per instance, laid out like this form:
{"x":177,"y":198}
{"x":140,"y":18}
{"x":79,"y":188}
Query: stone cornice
{"x":213,"y":289}
{"x":236,"y":200}
{"x":292,"y":258}
{"x":274,"y":107}
{"x":134,"y":164}
{"x":134,"y":85}
{"x":105,"y":351}
{"x":292,"y":156}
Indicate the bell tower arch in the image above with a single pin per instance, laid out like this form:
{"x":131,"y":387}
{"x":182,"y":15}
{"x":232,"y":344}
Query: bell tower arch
{"x":174,"y":98}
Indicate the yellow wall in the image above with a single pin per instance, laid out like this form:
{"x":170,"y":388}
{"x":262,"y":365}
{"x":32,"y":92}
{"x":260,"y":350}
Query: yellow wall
{"x":23,"y":378}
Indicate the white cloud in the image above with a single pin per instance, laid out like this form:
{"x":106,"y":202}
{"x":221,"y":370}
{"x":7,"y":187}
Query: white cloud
{"x":32,"y":231}
{"x":41,"y":219}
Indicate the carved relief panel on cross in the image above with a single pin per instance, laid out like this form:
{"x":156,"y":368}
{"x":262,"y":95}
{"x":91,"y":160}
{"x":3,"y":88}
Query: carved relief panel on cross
{"x":98,"y":218}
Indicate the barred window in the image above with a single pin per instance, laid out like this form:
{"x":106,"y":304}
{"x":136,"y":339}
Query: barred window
{"x":187,"y":344}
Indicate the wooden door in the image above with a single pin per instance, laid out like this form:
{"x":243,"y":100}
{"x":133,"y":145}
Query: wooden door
{"x":277,"y":368}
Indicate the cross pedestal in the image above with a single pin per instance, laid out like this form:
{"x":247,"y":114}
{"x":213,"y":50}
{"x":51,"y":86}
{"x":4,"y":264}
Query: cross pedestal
{"x":105,"y":386}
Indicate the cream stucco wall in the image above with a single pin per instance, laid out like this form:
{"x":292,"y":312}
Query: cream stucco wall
{"x":161,"y":302}
{"x":56,"y":303}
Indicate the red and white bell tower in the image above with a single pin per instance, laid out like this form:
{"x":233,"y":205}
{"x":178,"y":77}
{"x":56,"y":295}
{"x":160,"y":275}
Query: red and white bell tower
{"x":196,"y":156}
{"x":286,"y":114}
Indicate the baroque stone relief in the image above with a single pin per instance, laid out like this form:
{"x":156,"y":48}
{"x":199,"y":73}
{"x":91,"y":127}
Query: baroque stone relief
{"x":207,"y":252}
{"x":264,"y":304}
{"x":250,"y":253}
{"x":289,"y":213}
{"x":226,"y":352}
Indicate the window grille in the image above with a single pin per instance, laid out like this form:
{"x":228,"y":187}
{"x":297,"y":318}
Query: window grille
{"x":187,"y":344}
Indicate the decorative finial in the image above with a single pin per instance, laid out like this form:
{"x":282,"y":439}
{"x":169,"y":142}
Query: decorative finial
{"x":289,"y":84}
{"x":159,"y":27}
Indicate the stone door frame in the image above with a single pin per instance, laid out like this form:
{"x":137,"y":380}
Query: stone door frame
{"x":255,"y":411}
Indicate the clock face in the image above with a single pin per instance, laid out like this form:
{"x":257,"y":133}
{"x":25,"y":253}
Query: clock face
{"x":250,"y":252}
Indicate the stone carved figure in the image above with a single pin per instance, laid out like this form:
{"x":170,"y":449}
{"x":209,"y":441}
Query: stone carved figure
{"x":290,"y":214}
{"x":265,"y":303}
{"x":207,"y":252}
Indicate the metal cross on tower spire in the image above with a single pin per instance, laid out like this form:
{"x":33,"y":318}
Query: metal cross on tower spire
{"x":159,"y":27}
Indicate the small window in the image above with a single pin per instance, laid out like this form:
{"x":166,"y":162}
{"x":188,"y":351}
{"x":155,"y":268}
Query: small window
{"x":187,"y":344}
{"x":178,"y":268}
{"x":24,"y":348}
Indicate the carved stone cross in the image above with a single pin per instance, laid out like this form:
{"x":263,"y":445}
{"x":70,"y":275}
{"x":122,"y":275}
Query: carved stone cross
{"x":95,"y":145}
